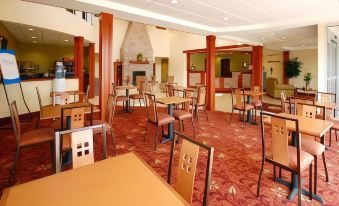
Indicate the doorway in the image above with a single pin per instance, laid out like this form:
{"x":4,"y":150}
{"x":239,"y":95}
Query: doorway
{"x":161,"y":69}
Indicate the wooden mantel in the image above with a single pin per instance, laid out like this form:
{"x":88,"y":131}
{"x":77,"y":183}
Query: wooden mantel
{"x":138,"y":62}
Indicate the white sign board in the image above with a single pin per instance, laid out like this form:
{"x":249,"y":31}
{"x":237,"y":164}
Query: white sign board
{"x":9,"y":67}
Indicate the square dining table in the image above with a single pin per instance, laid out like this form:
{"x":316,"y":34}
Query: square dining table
{"x":122,"y":180}
{"x":126,"y":88}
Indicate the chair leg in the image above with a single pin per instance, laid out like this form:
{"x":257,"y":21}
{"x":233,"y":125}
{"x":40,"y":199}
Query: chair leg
{"x":12,"y":172}
{"x":146,"y":131}
{"x":329,"y":144}
{"x":139,"y":102}
{"x":315,"y":174}
{"x":196,"y":113}
{"x":113,"y":141}
{"x":326,"y":173}
{"x":336,"y":136}
{"x":183,"y":126}
{"x":299,"y":189}
{"x":231,"y":117}
{"x":37,"y":123}
{"x":53,"y":156}
{"x":193,"y":127}
{"x":243,"y":119}
{"x":205,"y":112}
{"x":156,"y":138}
{"x":260,"y":175}
{"x":310,"y":183}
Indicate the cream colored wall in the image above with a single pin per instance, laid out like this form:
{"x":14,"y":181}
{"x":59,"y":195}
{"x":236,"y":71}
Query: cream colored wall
{"x":12,"y":41}
{"x":43,"y":54}
{"x":45,"y":87}
{"x":273,"y":55}
{"x":309,"y":58}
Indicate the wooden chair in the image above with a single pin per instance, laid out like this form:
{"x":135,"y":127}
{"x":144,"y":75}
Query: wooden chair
{"x":65,"y":99}
{"x":284,"y":103}
{"x":87,"y":93}
{"x":28,"y":139}
{"x":294,"y":101}
{"x":140,"y":95}
{"x":240,"y":103}
{"x":185,"y":113}
{"x":187,"y":167}
{"x":122,"y":99}
{"x":41,"y":115}
{"x":200,"y":101}
{"x":108,"y":121}
{"x":154,"y":117}
{"x":169,"y":90}
{"x":82,"y":148}
{"x":280,"y":154}
{"x":256,"y":102}
{"x":308,"y":144}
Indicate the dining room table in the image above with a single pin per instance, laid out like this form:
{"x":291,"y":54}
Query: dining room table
{"x":121,"y":180}
{"x":127,"y":107}
{"x":307,"y":126}
{"x":170,"y":102}
{"x":72,"y":92}
{"x":250,"y":94}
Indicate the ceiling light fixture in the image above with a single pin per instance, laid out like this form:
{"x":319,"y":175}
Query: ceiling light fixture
{"x":174,"y":1}
{"x":33,"y":37}
{"x":238,"y":43}
{"x":30,"y":29}
{"x":226,"y":18}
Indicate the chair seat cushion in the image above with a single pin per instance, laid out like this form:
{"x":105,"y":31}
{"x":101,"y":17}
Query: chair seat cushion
{"x":37,"y":136}
{"x":305,"y":158}
{"x":122,"y":98}
{"x":164,"y":118}
{"x":247,"y":107}
{"x":256,"y":103}
{"x":180,"y":114}
{"x":136,"y":96}
{"x":313,"y":147}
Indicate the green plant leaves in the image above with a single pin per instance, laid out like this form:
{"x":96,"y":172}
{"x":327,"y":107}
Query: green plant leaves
{"x":293,"y":67}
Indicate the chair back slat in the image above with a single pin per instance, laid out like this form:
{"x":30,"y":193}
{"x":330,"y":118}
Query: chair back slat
{"x":307,"y":111}
{"x":187,"y":169}
{"x":186,"y":105}
{"x":279,"y":141}
{"x":77,"y":117}
{"x":256,"y":89}
{"x":64,"y":99}
{"x":110,"y":109}
{"x":238,"y":96}
{"x":151,"y":108}
{"x":202,"y":95}
{"x":82,"y":148}
{"x":169,"y":90}
{"x":284,"y":105}
{"x":39,"y":98}
{"x":87,"y":93}
{"x":15,"y":121}
{"x":142,"y":87}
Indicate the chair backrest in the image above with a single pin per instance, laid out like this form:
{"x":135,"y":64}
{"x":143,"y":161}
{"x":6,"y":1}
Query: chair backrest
{"x":39,"y":98}
{"x":77,"y":117}
{"x":64,"y":99}
{"x":110,"y":109}
{"x":239,"y":94}
{"x":201,"y":95}
{"x":279,"y":138}
{"x":327,"y":97}
{"x":284,"y":105}
{"x":256,"y":89}
{"x":114,"y":89}
{"x":142,"y":87}
{"x":187,"y":167}
{"x":169,"y":90}
{"x":151,"y":108}
{"x":15,"y":121}
{"x":170,"y":79}
{"x":294,"y":101}
{"x":308,"y":111}
{"x":186,"y":105}
{"x":82,"y":148}
{"x":87,"y":93}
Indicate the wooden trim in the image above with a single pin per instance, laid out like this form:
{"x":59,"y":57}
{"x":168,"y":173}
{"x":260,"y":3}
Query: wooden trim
{"x":286,"y":57}
{"x":217,"y":48}
{"x":138,"y":62}
{"x":116,"y":64}
{"x":210,"y":72}
{"x":91,"y":69}
{"x":257,"y":71}
{"x":79,"y":60}
{"x":105,"y":59}
{"x":240,"y":80}
{"x":221,"y":83}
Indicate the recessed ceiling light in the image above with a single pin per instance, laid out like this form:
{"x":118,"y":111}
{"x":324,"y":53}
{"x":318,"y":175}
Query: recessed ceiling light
{"x":30,"y":29}
{"x":66,"y":40}
{"x":272,"y":33}
{"x":174,"y":1}
{"x":225,"y":18}
{"x":35,"y":42}
{"x":33,"y":37}
{"x":238,"y":43}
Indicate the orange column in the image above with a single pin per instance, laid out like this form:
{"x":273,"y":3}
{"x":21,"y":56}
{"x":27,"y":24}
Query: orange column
{"x":105,"y":59}
{"x":91,"y":69}
{"x":286,"y":57}
{"x":257,"y":70}
{"x":79,"y":60}
{"x":210,"y":72}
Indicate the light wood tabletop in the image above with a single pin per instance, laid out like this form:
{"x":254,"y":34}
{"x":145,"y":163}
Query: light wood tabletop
{"x":313,"y":127}
{"x":253,"y":93}
{"x":50,"y":111}
{"x":73,"y":92}
{"x":327,"y":105}
{"x":172,"y":100}
{"x":121,"y":180}
{"x":126,"y":87}
{"x":181,"y":88}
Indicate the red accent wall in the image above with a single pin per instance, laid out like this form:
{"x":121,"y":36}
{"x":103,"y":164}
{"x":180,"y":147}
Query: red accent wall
{"x":105,"y":59}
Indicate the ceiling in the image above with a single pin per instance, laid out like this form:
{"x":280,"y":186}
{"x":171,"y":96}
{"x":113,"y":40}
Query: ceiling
{"x":247,"y":21}
{"x":30,"y":34}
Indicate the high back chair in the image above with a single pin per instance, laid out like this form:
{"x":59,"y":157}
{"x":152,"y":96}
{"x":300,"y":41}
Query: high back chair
{"x":200,"y":101}
{"x":186,"y":169}
{"x":308,"y":143}
{"x":284,"y":103}
{"x":27,"y":139}
{"x":82,"y":148}
{"x":140,"y":95}
{"x":108,"y":120}
{"x":64,"y":99}
{"x":290,"y":158}
{"x":294,"y":101}
{"x":169,"y":90}
{"x":185,"y":112}
{"x":239,"y":104}
{"x":119,"y":98}
{"x":154,"y":117}
{"x":41,"y":114}
{"x":256,"y":102}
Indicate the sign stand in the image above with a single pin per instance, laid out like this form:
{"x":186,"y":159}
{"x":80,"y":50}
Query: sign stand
{"x":7,"y":58}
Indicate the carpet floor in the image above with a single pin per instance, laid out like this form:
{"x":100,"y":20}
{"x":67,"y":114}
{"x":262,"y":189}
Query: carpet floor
{"x":236,"y":164}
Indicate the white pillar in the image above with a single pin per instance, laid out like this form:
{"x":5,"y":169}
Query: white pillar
{"x":322,"y":58}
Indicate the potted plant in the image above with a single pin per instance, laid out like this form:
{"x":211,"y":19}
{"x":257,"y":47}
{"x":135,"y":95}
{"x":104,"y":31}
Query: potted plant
{"x":293,"y":67}
{"x":140,"y":57}
{"x":307,"y":79}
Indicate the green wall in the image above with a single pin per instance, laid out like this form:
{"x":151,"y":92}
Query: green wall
{"x":198,"y":60}
{"x":12,"y":41}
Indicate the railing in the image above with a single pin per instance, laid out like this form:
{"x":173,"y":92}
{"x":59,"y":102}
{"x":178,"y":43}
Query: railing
{"x":88,"y":17}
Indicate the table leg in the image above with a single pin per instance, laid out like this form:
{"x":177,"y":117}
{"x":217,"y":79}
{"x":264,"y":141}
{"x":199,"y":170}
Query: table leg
{"x":169,"y":135}
{"x":57,"y":152}
{"x":127,"y":107}
{"x":249,"y":112}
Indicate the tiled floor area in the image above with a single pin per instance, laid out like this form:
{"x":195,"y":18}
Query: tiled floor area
{"x":235,"y":168}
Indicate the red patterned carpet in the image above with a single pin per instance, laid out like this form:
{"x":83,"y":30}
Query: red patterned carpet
{"x":235,"y":168}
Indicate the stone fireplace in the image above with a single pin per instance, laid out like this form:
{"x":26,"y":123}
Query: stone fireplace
{"x":136,"y":42}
